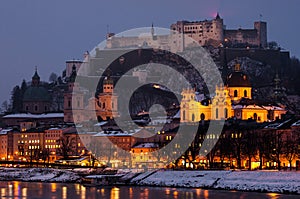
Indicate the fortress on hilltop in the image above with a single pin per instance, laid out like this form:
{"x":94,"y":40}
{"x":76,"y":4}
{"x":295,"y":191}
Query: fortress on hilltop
{"x":206,"y":33}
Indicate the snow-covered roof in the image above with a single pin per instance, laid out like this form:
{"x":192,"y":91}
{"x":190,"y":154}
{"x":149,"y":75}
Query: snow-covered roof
{"x":177,"y":115}
{"x":146,"y":145}
{"x":35,"y":116}
{"x":112,"y":133}
{"x":199,"y":97}
{"x":5,"y":131}
{"x":296,"y":123}
{"x":100,"y":123}
{"x":276,"y":125}
{"x":273,"y":108}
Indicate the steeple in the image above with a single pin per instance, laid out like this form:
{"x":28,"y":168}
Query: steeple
{"x":35,"y":78}
{"x":73,"y":74}
{"x":218,"y":16}
{"x":108,"y":83}
{"x":152,"y":30}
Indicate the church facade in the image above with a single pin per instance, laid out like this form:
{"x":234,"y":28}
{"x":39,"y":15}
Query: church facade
{"x":232,"y":100}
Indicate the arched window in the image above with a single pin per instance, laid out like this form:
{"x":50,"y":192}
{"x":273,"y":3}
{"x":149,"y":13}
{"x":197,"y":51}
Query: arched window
{"x":235,"y":94}
{"x":183,"y":115}
{"x":245,"y":93}
{"x":226,"y":112}
{"x":217,"y":113}
{"x":202,"y":116}
{"x":193,"y":117}
{"x":255,"y":116}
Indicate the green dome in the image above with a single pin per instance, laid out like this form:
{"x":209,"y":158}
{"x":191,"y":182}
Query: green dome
{"x":36,"y":93}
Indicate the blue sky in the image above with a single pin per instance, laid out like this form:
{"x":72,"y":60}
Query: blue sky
{"x":46,"y":33}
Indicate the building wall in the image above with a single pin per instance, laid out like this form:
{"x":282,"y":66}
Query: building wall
{"x":36,"y":107}
{"x":240,"y":93}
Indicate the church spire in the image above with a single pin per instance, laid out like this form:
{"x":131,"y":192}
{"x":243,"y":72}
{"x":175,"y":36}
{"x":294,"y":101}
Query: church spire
{"x":35,"y":78}
{"x":152,"y":30}
{"x":73,"y":74}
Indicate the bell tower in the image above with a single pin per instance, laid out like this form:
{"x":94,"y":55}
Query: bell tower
{"x":107,"y":104}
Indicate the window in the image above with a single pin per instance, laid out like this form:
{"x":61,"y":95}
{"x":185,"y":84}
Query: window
{"x":103,"y":105}
{"x":183,"y":115}
{"x":35,"y":108}
{"x":235,"y":94}
{"x":69,"y":103}
{"x":255,"y":116}
{"x":217,"y":113}
{"x":245,"y":93}
{"x":202,"y":116}
{"x":226,"y":112}
{"x":193,"y":117}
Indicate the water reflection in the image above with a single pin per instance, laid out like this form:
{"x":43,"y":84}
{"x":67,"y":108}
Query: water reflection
{"x":24,"y":190}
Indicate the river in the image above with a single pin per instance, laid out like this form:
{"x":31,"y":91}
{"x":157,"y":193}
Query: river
{"x":38,"y":190}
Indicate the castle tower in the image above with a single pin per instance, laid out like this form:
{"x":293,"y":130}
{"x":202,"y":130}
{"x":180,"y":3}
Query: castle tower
{"x":107,"y":105}
{"x":261,"y":28}
{"x":218,"y":29}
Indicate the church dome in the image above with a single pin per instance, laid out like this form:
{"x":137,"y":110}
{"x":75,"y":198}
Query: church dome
{"x":238,"y":78}
{"x":36,"y":93}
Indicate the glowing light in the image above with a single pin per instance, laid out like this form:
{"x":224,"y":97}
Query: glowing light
{"x":83,"y":192}
{"x":64,"y":193}
{"x":3,"y":192}
{"x":273,"y":195}
{"x":53,"y":187}
{"x":115,"y":193}
{"x":24,"y":192}
{"x":198,"y":193}
{"x":167,"y":191}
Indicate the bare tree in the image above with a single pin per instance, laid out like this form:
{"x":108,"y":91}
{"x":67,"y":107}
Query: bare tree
{"x":66,"y":143}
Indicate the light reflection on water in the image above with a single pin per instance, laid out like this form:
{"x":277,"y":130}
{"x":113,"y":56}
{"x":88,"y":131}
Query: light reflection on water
{"x":24,"y":190}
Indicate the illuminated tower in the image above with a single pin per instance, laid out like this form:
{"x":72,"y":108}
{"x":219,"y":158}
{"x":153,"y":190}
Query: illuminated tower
{"x":107,"y":101}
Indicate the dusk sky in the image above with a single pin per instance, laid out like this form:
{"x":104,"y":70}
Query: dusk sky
{"x":47,"y":33}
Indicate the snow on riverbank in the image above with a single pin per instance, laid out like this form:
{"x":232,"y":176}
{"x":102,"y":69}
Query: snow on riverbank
{"x":266,"y":181}
{"x":38,"y":174}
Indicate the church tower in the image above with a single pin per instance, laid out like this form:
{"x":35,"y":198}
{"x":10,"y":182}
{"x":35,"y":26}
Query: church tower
{"x":107,"y":101}
{"x":73,"y":100}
